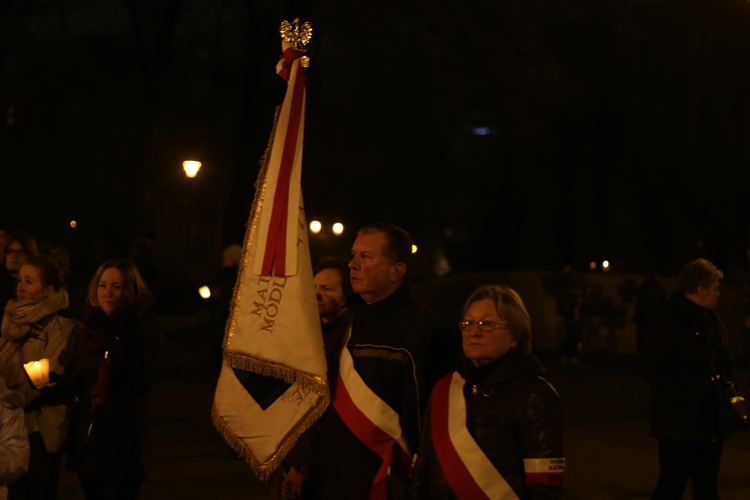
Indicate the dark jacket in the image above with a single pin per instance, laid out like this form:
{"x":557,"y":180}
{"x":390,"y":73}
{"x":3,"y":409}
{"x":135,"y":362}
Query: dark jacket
{"x":685,"y":351}
{"x":304,"y":457}
{"x":400,"y":348}
{"x":512,"y":413}
{"x":111,"y":434}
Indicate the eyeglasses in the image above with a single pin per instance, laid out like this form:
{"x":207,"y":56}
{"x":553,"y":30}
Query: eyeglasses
{"x":485,"y":326}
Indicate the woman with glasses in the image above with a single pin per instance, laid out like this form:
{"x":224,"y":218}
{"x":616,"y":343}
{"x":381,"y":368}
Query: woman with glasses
{"x":493,"y":428}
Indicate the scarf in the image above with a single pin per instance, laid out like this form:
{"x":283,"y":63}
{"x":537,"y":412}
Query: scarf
{"x":21,"y":314}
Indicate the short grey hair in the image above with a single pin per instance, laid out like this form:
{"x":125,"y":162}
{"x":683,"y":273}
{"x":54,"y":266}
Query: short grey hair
{"x":510,"y":307}
{"x":699,"y":272}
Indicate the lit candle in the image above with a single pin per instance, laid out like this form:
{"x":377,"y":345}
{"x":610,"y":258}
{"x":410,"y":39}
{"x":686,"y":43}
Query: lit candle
{"x":38,"y":372}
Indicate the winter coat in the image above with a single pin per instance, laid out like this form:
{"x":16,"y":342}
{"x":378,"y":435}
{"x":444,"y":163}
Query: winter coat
{"x":118,"y":363}
{"x":400,"y":348}
{"x":685,"y":351}
{"x":512,"y":413}
{"x":32,"y":330}
{"x":14,"y":443}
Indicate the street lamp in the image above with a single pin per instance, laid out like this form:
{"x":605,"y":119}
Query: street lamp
{"x":191,"y":167}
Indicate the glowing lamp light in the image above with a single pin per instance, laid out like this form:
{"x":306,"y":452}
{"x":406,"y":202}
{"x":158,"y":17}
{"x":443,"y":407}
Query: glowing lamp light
{"x":413,"y":248}
{"x":191,"y":167}
{"x":38,"y":372}
{"x":592,"y":265}
{"x":73,"y":224}
{"x":204,"y":292}
{"x":315,"y":226}
{"x":605,"y":265}
{"x":338,"y":228}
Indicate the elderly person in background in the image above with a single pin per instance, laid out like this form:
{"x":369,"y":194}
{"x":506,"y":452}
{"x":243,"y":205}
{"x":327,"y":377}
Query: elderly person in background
{"x":493,"y":428}
{"x":687,"y":366}
{"x":332,"y":287}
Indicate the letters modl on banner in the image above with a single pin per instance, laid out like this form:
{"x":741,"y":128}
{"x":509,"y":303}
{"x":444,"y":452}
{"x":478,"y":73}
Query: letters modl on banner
{"x":272,"y":384}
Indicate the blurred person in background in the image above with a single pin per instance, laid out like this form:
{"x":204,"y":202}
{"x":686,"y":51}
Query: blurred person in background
{"x":688,"y":367}
{"x":18,"y":247}
{"x":298,"y":479}
{"x":332,"y":287}
{"x":3,"y":241}
{"x":222,"y":288}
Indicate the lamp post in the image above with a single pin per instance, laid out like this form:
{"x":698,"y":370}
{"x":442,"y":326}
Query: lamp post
{"x":191,"y":168}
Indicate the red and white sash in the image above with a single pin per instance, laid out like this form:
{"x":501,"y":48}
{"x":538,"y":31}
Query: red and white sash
{"x":373,"y":422}
{"x":467,"y":469}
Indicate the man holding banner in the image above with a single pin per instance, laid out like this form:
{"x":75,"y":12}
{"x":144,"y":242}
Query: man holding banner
{"x":397,"y":349}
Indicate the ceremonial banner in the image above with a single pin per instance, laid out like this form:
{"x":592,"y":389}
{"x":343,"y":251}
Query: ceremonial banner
{"x":272,"y":384}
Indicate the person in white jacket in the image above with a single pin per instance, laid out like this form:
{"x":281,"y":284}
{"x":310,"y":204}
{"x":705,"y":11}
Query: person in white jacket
{"x":34,"y":330}
{"x":14,"y":444}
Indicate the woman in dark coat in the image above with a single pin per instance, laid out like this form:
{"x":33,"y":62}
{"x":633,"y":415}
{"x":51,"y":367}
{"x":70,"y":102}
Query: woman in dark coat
{"x":493,"y":428}
{"x":118,"y":361}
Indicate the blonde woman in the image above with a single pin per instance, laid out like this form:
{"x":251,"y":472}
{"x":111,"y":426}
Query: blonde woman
{"x":33,"y":329}
{"x":118,"y":362}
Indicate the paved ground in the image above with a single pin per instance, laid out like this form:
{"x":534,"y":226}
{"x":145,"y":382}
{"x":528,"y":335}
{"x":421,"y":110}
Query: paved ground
{"x":609,"y":453}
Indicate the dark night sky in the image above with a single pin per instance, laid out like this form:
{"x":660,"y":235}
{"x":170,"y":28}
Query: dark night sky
{"x":501,"y":134}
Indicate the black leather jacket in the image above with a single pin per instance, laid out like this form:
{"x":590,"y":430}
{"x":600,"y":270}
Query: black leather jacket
{"x":512,"y":413}
{"x":400,"y":348}
{"x":685,"y":350}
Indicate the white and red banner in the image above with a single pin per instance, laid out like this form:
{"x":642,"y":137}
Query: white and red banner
{"x":273,"y":384}
{"x":373,"y":422}
{"x":467,"y":469}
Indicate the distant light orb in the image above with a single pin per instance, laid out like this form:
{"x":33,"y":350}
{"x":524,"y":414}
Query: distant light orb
{"x":73,"y":224}
{"x":315,"y":226}
{"x":338,"y":228}
{"x":484,"y":131}
{"x":191,"y":167}
{"x":205,"y":292}
{"x":413,"y":248}
{"x":605,"y":265}
{"x":592,"y":265}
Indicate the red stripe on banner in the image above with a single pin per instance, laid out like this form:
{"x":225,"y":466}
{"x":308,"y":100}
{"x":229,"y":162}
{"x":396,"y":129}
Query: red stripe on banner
{"x":289,"y":55}
{"x":274,"y":259}
{"x":546,"y":478}
{"x":456,"y":473}
{"x":374,"y":438}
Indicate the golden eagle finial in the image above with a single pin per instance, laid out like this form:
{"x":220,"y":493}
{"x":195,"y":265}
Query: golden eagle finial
{"x":297,"y":35}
